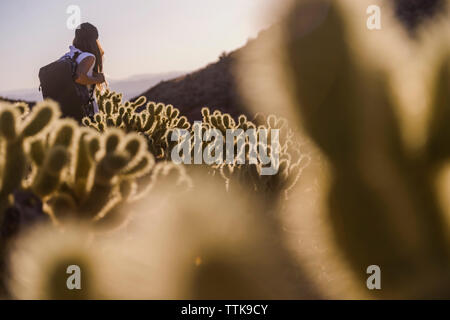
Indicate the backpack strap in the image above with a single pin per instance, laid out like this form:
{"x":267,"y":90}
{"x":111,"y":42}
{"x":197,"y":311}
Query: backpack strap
{"x":76,"y":55}
{"x":74,"y":61}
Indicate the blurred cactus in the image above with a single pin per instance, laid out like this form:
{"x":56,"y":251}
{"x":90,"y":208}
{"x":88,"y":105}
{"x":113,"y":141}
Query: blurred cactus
{"x":100,"y":172}
{"x":15,"y":132}
{"x":77,"y":172}
{"x":23,"y":108}
{"x":50,"y":156}
{"x":229,"y":251}
{"x":40,"y":261}
{"x":382,"y":202}
{"x":413,"y":13}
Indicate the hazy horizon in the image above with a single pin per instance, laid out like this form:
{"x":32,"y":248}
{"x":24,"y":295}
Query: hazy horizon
{"x":144,"y":37}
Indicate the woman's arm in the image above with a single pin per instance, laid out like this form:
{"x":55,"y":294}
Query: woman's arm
{"x":81,"y":76}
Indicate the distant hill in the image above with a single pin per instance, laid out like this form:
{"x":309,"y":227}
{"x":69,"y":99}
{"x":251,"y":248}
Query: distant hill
{"x":130,"y":87}
{"x":29,"y":94}
{"x":30,"y":103}
{"x":213,"y":86}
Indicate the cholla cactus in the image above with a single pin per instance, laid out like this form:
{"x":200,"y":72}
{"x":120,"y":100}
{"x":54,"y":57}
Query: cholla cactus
{"x":23,"y":108}
{"x":383,"y":205}
{"x":100,"y":176}
{"x":229,"y":251}
{"x":157,"y":122}
{"x":14,"y":134}
{"x":154,"y":121}
{"x":289,"y":165}
{"x":77,"y":172}
{"x":50,"y":156}
{"x":40,"y":260}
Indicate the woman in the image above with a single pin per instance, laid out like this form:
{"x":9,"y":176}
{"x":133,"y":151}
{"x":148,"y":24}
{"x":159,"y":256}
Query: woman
{"x":89,"y":58}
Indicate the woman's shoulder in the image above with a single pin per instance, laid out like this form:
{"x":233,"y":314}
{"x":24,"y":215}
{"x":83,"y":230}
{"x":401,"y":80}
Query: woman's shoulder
{"x":84,"y":55}
{"x":80,"y":54}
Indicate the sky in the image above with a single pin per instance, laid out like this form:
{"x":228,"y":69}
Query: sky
{"x":138,"y":36}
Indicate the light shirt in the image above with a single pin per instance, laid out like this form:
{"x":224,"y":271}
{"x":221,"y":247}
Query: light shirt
{"x":81,"y":57}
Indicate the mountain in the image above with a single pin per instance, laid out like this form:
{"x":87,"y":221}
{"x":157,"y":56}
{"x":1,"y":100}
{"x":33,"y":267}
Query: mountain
{"x":30,"y":103}
{"x":130,"y":87}
{"x":23,"y":94}
{"x":214,"y":86}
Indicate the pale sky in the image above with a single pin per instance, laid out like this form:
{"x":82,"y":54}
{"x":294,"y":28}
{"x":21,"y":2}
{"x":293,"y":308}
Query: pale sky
{"x":138,"y":36}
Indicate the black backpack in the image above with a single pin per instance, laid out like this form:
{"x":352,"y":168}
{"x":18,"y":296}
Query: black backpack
{"x":57,"y":83}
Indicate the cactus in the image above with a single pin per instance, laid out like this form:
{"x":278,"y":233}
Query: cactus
{"x":154,"y":121}
{"x":382,"y":202}
{"x":101,"y":175}
{"x":50,"y":156}
{"x":23,"y":109}
{"x":40,"y":259}
{"x":77,"y":172}
{"x":15,"y":132}
{"x":291,"y":159}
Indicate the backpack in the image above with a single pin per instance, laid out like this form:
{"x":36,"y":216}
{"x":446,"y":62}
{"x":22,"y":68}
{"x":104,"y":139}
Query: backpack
{"x":57,"y":83}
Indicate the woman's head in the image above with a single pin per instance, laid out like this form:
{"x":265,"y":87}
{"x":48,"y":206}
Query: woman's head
{"x":86,"y":40}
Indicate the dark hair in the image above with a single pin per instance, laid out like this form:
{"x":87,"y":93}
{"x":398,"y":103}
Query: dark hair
{"x":86,"y":36}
